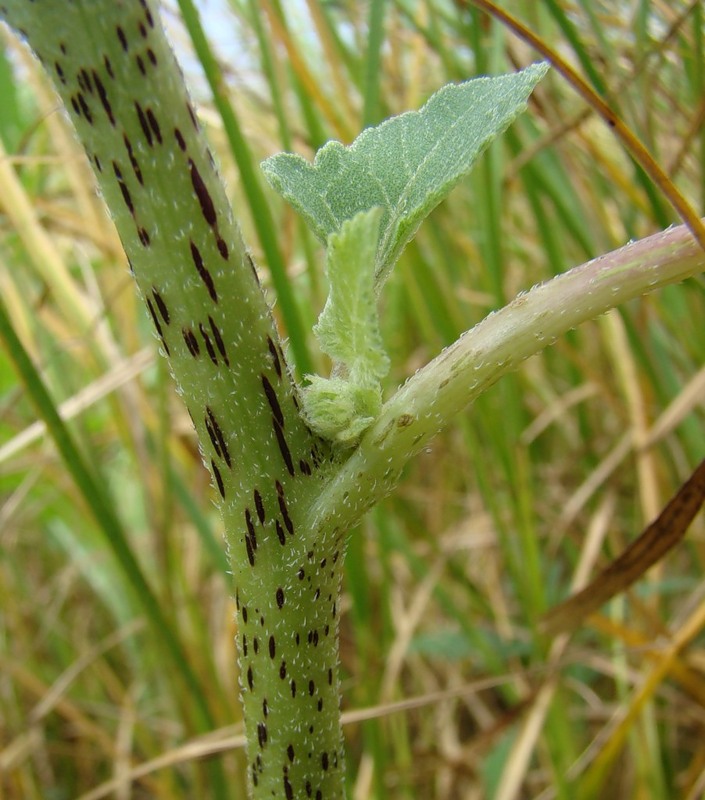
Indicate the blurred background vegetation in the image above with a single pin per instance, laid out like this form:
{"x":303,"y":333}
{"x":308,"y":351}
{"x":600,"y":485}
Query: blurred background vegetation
{"x":450,"y":688}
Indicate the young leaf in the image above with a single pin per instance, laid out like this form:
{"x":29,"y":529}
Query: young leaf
{"x":340,"y":408}
{"x":406,"y":165}
{"x":348,"y":328}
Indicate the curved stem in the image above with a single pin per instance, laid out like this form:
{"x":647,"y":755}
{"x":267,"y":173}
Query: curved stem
{"x":494,"y":347}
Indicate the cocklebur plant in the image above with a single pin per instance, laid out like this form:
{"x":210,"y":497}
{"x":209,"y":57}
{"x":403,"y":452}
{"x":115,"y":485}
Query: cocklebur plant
{"x":295,"y":467}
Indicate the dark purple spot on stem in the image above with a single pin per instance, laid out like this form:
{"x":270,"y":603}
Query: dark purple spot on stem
{"x":84,"y":81}
{"x":204,"y":198}
{"x":127,"y":198}
{"x":180,"y":140}
{"x":220,"y":344}
{"x":84,"y":108}
{"x":161,"y":305}
{"x":133,"y":160}
{"x":252,"y":266}
{"x":275,"y":356}
{"x":209,"y":346}
{"x":284,"y":510}
{"x":259,"y":506}
{"x":223,"y":248}
{"x":154,"y":125}
{"x":191,"y":342}
{"x":273,"y":400}
{"x":213,"y":438}
{"x":250,"y":527}
{"x":192,"y":114}
{"x":121,"y":36}
{"x":218,"y":478}
{"x":206,"y":277}
{"x":219,"y":436}
{"x":283,"y":447}
{"x":155,"y":319}
{"x":146,"y":130}
{"x":103,"y":95}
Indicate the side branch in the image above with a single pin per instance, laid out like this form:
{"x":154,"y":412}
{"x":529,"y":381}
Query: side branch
{"x":494,"y":347}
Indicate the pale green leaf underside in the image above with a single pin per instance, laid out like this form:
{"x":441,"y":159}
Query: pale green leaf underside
{"x":406,"y":165}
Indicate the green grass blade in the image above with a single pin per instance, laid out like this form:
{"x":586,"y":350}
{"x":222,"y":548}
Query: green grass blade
{"x":572,"y":36}
{"x":102,"y":510}
{"x":270,"y":73}
{"x":370,"y":113}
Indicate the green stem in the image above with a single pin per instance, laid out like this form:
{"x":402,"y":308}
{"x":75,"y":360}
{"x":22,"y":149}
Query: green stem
{"x":495,"y":347}
{"x":124,"y":92}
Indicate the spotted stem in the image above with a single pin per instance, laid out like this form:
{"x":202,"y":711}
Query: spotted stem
{"x":124,"y":93}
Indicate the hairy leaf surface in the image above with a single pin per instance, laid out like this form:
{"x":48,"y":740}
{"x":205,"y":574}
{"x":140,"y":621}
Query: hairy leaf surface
{"x":348,"y":328}
{"x":341,"y":407}
{"x":406,"y":165}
